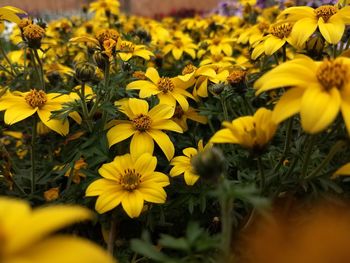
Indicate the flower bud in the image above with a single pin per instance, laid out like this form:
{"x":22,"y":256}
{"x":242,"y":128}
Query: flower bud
{"x":33,"y":34}
{"x":85,"y":72}
{"x":101,"y":60}
{"x":314,"y":46}
{"x":209,"y":164}
{"x":217,"y":88}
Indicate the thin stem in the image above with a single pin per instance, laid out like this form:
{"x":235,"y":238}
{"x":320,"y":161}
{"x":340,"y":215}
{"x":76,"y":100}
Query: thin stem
{"x":286,"y":145}
{"x":307,"y":155}
{"x":276,"y":58}
{"x":33,"y":156}
{"x":84,"y":107}
{"x":42,"y":76}
{"x":226,"y":223}
{"x":3,"y":53}
{"x":334,"y":51}
{"x":112,"y":236}
{"x":333,"y":151}
{"x":224,"y":108}
{"x":284,"y":53}
{"x":108,"y":95}
{"x":261,"y":173}
{"x":36,"y":68}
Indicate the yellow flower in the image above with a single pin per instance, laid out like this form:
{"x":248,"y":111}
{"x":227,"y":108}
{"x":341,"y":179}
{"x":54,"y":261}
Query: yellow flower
{"x":168,"y":90}
{"x":9,"y":13}
{"x":129,"y":180}
{"x":182,"y":164}
{"x":180,"y":44}
{"x":19,"y":106}
{"x":127,"y":50}
{"x":279,"y":35}
{"x":342,"y":171}
{"x":252,"y":132}
{"x":144,"y":126}
{"x":76,"y":173}
{"x":217,"y":45}
{"x":328,"y":19}
{"x":28,"y":235}
{"x":181,"y":116}
{"x":318,"y":90}
{"x":52,"y":194}
{"x":100,"y":7}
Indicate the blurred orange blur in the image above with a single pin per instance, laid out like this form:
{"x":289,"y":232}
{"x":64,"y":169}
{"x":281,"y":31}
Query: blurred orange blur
{"x":294,"y":233}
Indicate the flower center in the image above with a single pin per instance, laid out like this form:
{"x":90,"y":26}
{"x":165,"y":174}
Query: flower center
{"x":139,"y":75}
{"x":326,"y":11}
{"x":236,"y":76}
{"x":130,"y":180}
{"x":281,"y":30}
{"x":263,"y":26}
{"x":178,"y":43}
{"x":216,"y":41}
{"x":188,"y":69}
{"x":179,"y":112}
{"x":165,"y":85}
{"x":332,"y":74}
{"x":105,"y":34}
{"x":36,"y":98}
{"x":127,"y":46}
{"x":33,"y":32}
{"x":142,"y":122}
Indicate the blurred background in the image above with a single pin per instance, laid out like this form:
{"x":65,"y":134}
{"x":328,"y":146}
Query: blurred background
{"x":149,"y":8}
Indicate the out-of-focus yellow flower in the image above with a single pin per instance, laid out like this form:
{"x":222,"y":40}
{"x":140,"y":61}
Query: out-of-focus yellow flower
{"x":179,"y":45}
{"x":182,"y":164}
{"x":76,"y":173}
{"x":100,"y":7}
{"x":181,"y":116}
{"x":168,"y":90}
{"x":26,"y":234}
{"x":252,"y":132}
{"x":9,"y":13}
{"x":52,"y":194}
{"x":127,"y":50}
{"x":330,"y":20}
{"x":129,"y":180}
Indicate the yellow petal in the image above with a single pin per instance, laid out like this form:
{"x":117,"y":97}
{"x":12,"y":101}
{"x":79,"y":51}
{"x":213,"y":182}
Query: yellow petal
{"x":152,"y":74}
{"x":344,"y":170}
{"x":119,"y":133}
{"x":224,"y":136}
{"x":133,"y":203}
{"x":163,"y":142}
{"x":288,"y":105}
{"x":302,"y":30}
{"x":272,"y":44}
{"x":161,"y":112}
{"x":59,"y":249}
{"x":154,"y":194}
{"x":345,"y":109}
{"x":18,"y":112}
{"x":42,"y":222}
{"x":145,"y":164}
{"x":59,"y":126}
{"x":102,"y":185}
{"x":181,"y":100}
{"x":167,"y":125}
{"x":109,"y":199}
{"x":190,"y":178}
{"x":138,"y":106}
{"x":141,"y":143}
{"x":177,"y":53}
{"x":319,"y":108}
{"x":333,"y":30}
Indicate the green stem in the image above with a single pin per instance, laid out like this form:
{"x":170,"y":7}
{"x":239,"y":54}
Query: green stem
{"x":286,"y":145}
{"x":261,"y":173}
{"x":42,"y":76}
{"x":333,"y":151}
{"x":3,"y":53}
{"x":84,"y":107}
{"x":276,"y":58}
{"x":307,"y":155}
{"x":226,"y":223}
{"x":33,"y":156}
{"x":334,"y":51}
{"x":284,"y":53}
{"x":112,"y":236}
{"x":224,"y":108}
{"x":108,"y":95}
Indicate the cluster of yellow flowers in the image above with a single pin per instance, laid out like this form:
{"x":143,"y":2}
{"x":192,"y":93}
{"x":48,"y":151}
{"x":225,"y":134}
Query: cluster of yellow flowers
{"x":142,"y":84}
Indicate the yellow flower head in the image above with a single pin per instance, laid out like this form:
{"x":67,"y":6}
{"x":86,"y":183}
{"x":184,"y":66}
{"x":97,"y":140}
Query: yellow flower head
{"x":19,"y":106}
{"x":168,"y":90}
{"x":252,"y":132}
{"x":9,"y":13}
{"x":182,"y":164}
{"x":26,"y":235}
{"x":129,"y":180}
{"x":145,"y":126}
{"x":330,"y":20}
{"x":318,"y":90}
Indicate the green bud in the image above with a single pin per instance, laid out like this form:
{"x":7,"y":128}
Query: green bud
{"x":85,"y":72}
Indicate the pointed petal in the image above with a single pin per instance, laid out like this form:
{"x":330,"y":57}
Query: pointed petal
{"x":119,"y":133}
{"x":141,"y":143}
{"x":163,"y":142}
